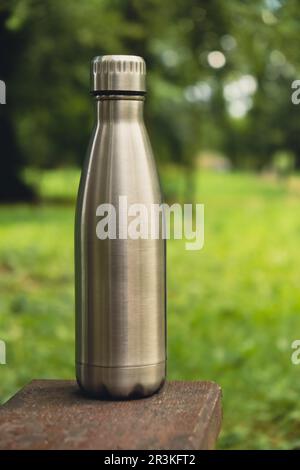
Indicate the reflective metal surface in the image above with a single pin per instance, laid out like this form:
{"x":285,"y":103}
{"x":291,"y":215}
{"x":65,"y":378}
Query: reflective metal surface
{"x":120,"y":283}
{"x":118,"y":72}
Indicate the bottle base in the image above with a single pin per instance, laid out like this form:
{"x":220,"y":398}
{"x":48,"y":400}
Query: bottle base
{"x":120,"y":382}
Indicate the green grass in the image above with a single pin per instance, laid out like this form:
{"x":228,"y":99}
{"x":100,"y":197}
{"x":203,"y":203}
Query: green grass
{"x":233,"y":307}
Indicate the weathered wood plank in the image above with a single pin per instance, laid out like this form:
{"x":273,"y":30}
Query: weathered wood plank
{"x":52,"y":414}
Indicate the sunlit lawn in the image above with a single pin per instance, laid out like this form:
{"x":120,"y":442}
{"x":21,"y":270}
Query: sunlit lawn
{"x":233,"y":308}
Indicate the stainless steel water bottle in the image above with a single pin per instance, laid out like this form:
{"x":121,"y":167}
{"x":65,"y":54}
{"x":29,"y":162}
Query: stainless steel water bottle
{"x":120,"y":282}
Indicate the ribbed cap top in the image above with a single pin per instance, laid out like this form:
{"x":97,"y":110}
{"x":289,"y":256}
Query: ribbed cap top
{"x":118,"y":73}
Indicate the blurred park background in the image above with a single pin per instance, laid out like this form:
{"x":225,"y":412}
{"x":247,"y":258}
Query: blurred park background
{"x":225,"y":133}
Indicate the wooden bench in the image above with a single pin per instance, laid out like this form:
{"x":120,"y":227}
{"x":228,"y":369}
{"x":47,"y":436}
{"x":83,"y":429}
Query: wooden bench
{"x":53,"y":414}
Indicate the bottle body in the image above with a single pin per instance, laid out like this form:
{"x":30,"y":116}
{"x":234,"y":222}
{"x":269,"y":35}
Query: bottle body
{"x":119,"y":282}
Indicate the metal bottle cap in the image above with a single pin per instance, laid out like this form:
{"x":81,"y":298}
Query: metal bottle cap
{"x":118,"y":73}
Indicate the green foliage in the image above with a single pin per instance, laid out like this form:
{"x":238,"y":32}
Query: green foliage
{"x":47,"y":73}
{"x":284,"y":163}
{"x":59,"y":185}
{"x":233,"y":308}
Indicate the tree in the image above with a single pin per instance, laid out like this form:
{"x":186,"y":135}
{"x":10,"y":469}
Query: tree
{"x":11,"y":185}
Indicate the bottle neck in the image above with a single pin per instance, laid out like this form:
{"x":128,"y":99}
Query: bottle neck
{"x":120,"y":107}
